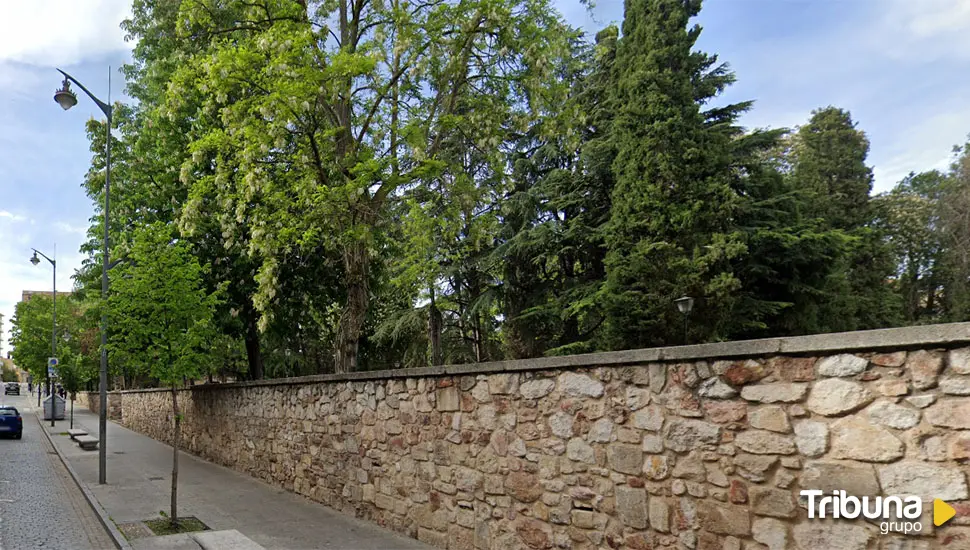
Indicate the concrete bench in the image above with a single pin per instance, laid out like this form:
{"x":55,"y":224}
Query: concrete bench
{"x":87,"y":442}
{"x":75,"y":433}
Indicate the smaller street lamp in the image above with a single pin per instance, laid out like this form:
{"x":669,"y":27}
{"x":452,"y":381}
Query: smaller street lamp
{"x":50,"y":389}
{"x":684,"y":305}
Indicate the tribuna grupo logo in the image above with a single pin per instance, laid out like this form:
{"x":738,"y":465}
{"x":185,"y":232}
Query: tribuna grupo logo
{"x":898,"y":514}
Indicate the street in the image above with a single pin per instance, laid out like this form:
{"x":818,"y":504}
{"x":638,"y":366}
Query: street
{"x":40,"y":505}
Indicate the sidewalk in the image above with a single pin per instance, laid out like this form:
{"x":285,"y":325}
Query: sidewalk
{"x":139,"y":487}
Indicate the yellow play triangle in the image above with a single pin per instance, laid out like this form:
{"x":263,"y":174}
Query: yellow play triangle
{"x":942,"y":512}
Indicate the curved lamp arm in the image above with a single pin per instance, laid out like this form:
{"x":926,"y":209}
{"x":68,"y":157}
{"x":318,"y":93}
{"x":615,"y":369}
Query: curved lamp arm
{"x":44,"y":255}
{"x":105,"y":108}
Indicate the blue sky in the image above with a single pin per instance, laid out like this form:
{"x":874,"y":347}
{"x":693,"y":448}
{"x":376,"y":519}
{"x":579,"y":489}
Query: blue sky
{"x":902,"y":67}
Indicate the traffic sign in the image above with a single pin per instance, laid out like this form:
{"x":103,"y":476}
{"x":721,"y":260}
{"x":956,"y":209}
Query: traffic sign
{"x":52,"y":361}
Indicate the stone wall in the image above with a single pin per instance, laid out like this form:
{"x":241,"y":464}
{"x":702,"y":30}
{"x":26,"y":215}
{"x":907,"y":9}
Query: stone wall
{"x":699,"y":447}
{"x":92,"y":400}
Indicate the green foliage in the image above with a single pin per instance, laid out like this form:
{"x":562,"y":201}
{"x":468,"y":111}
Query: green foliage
{"x":31,"y":328}
{"x":162,"y":317}
{"x":829,"y":163}
{"x":7,"y":373}
{"x":385,"y":184}
{"x":954,"y":214}
{"x":669,"y":232}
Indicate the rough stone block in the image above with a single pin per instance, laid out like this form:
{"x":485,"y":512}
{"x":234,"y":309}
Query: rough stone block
{"x":715,"y":388}
{"x":955,"y":385}
{"x":770,"y":417}
{"x":723,"y":412}
{"x":535,"y":389}
{"x":649,"y":418}
{"x":924,"y":367}
{"x":766,"y":501}
{"x":684,"y":435}
{"x":626,"y":459}
{"x":571,"y":383}
{"x":831,"y":536}
{"x":448,"y":399}
{"x":631,"y":504}
{"x":924,"y":480}
{"x":959,"y":361}
{"x":775,"y":393}
{"x":950,"y":413}
{"x":764,"y":443}
{"x":892,"y":415}
{"x":853,"y":478}
{"x":724,"y":519}
{"x":811,"y":438}
{"x":793,"y":369}
{"x":770,"y":532}
{"x":659,"y":514}
{"x":842,"y":365}
{"x":834,"y":397}
{"x":856,"y":439}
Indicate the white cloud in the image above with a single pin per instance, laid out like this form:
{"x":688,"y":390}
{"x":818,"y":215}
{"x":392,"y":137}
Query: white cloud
{"x":11,"y":216}
{"x":75,"y":229}
{"x":55,"y":32}
{"x":923,"y":30}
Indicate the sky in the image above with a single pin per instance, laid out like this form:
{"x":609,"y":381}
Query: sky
{"x":902,"y":67}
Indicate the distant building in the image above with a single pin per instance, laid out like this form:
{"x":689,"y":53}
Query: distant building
{"x":28,"y":293}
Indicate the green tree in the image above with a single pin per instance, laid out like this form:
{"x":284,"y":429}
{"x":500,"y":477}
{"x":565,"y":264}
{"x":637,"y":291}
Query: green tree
{"x":7,"y":373}
{"x":553,"y":251}
{"x":31,"y":328}
{"x":828,"y":159}
{"x":792,"y":256}
{"x":162,"y":318}
{"x":954,"y":212}
{"x":909,"y":217}
{"x":331,"y":108}
{"x":670,"y":230}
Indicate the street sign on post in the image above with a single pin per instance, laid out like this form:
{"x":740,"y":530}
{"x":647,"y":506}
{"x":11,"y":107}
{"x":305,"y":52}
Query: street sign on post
{"x":51,"y":363}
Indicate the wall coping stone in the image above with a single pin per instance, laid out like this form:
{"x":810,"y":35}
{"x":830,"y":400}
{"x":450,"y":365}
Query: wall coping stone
{"x":943,"y":335}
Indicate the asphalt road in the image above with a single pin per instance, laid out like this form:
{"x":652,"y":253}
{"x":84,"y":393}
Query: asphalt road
{"x":40,"y":505}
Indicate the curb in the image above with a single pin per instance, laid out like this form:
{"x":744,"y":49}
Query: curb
{"x":120,"y":541}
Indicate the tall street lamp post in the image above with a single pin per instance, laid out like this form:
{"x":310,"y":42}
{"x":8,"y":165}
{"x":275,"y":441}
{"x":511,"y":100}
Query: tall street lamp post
{"x":35,"y":260}
{"x":67,"y":99}
{"x":684,"y":305}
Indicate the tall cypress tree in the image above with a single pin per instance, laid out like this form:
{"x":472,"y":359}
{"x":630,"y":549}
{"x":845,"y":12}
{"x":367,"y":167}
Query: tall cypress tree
{"x":670,"y":229}
{"x":830,"y":165}
{"x":830,"y":162}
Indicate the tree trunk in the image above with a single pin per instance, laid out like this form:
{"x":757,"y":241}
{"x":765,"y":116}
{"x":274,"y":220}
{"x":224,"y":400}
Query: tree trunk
{"x":356,"y":266}
{"x":479,"y":344}
{"x":434,"y":331}
{"x":175,"y":456}
{"x":253,"y":354}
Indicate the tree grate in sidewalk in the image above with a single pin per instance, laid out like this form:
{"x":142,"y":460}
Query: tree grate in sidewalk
{"x":187,"y":524}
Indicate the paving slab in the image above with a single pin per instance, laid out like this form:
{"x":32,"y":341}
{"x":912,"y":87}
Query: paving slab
{"x":181,"y":541}
{"x":229,"y":539}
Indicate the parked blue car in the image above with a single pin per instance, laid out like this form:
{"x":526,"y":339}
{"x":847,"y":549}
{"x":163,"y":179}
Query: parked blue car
{"x":11,"y":423}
